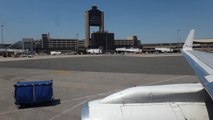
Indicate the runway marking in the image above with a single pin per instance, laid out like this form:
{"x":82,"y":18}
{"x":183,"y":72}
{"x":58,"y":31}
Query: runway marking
{"x":89,"y":97}
{"x":155,"y":55}
{"x":61,"y":72}
{"x":58,"y":115}
{"x":171,"y":79}
{"x":8,"y":112}
{"x":75,"y":99}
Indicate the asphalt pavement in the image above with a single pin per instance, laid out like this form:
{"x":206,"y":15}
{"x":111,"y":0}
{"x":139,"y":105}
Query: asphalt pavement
{"x":175,"y":65}
{"x":81,"y":79}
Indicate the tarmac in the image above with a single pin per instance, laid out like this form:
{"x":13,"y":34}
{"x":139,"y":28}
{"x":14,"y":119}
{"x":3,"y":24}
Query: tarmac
{"x":77,"y":80}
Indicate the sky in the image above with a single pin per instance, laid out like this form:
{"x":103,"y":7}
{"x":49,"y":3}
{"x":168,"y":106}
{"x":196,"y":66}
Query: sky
{"x":153,"y":21}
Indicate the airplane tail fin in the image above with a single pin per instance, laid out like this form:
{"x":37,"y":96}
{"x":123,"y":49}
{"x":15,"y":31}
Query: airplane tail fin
{"x":189,"y":41}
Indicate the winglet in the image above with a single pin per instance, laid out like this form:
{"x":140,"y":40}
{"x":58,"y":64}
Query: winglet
{"x":189,"y":41}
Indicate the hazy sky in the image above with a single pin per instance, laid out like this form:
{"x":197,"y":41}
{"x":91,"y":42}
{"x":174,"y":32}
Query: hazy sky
{"x":153,"y":21}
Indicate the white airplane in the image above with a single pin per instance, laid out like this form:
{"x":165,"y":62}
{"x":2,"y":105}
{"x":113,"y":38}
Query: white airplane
{"x":189,"y":101}
{"x":136,"y":50}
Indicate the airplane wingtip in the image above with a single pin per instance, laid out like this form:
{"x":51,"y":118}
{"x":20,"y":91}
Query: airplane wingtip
{"x":189,"y":41}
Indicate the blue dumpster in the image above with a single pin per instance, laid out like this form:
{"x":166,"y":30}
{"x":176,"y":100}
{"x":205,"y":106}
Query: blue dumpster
{"x":33,"y":92}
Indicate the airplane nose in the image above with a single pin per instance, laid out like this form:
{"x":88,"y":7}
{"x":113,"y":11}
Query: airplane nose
{"x":85,"y":112}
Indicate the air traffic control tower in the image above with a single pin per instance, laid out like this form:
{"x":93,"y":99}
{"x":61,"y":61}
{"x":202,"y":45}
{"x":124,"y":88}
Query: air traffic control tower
{"x":93,"y":17}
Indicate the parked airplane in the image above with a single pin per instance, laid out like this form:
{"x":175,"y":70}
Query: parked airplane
{"x":128,"y":50}
{"x":190,"y":101}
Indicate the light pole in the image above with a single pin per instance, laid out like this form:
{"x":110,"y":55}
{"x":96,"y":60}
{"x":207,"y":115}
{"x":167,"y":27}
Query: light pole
{"x":106,"y":41}
{"x":2,"y":34}
{"x":178,"y":39}
{"x":77,"y":43}
{"x":178,"y":35}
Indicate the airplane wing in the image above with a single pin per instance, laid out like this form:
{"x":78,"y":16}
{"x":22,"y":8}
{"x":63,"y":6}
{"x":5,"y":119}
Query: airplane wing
{"x":201,"y":62}
{"x":160,"y":102}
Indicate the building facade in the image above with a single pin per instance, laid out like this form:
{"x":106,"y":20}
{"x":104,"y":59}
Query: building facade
{"x":25,"y":44}
{"x":102,"y":40}
{"x":131,"y":41}
{"x":47,"y":43}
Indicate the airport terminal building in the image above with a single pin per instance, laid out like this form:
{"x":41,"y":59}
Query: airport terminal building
{"x":101,"y":40}
{"x":46,"y":44}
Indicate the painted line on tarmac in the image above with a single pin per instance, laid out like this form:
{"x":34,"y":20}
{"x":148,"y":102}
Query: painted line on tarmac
{"x":58,"y":115}
{"x":90,"y":96}
{"x":106,"y":93}
{"x":65,"y":101}
{"x":8,"y":112}
{"x":171,"y":79}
